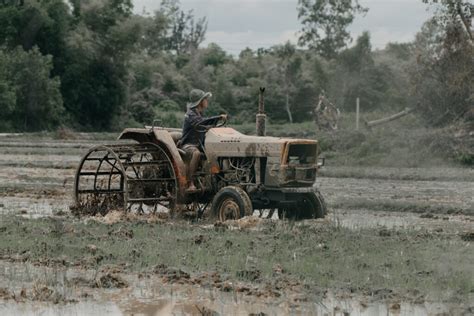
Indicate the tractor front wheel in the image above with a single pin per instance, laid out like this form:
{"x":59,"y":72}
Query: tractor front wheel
{"x":231,"y":202}
{"x":311,"y":206}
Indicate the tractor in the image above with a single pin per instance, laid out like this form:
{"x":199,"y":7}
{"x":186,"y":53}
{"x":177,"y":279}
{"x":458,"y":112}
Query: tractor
{"x":145,"y":172}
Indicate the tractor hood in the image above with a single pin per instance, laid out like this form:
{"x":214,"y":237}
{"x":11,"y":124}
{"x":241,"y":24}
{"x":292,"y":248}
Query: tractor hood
{"x":227,"y":142}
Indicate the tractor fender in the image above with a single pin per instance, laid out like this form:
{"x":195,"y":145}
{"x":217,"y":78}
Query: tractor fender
{"x":162,"y":138}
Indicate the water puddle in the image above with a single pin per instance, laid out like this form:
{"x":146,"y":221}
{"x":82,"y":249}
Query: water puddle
{"x":34,"y":208}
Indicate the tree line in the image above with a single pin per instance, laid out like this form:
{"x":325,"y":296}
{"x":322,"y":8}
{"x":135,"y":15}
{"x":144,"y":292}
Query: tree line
{"x":95,"y":65}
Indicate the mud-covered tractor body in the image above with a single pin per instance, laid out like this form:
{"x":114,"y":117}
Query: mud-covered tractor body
{"x":238,"y":172}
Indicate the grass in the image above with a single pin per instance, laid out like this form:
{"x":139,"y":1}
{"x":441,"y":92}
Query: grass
{"x":317,"y":254}
{"x":402,"y":143}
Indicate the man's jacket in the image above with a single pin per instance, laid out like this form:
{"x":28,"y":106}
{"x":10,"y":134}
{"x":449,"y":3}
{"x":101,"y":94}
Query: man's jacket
{"x":195,"y":127}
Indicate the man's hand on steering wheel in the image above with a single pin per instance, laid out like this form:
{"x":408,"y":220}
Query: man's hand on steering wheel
{"x":223,"y":120}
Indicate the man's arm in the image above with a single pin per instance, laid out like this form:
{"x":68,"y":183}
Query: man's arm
{"x":197,"y":121}
{"x":210,"y":120}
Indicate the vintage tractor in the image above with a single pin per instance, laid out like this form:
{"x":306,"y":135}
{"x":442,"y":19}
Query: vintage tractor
{"x":238,"y":174}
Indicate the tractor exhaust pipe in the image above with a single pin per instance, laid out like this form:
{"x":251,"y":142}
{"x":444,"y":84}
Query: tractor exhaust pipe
{"x":261,"y":116}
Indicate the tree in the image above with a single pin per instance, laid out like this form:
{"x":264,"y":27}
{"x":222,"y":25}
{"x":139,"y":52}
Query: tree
{"x":442,"y":75}
{"x":356,"y":75}
{"x":289,"y":67}
{"x":457,"y":12}
{"x":7,"y":92}
{"x":36,"y":23}
{"x":325,"y":24}
{"x":184,"y":33}
{"x":31,"y":97}
{"x":94,"y":84}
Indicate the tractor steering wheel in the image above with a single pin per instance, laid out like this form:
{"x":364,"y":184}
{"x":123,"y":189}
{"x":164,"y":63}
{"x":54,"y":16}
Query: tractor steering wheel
{"x":223,"y":122}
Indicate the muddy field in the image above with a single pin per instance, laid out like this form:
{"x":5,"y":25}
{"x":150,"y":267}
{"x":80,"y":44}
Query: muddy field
{"x":396,"y":241}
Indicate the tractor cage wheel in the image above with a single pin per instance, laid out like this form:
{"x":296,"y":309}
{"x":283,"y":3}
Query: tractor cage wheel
{"x":124,"y":176}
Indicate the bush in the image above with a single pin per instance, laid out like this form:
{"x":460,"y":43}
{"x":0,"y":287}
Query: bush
{"x":168,"y":106}
{"x":142,"y":112}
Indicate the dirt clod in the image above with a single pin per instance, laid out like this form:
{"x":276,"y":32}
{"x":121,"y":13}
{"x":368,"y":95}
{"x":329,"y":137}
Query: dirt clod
{"x":227,"y":287}
{"x":123,"y":233}
{"x":395,"y":306}
{"x":249,"y":275}
{"x":468,"y":236}
{"x":220,"y":226}
{"x":278,"y":269}
{"x":109,"y":281}
{"x":228,"y":244}
{"x":204,"y":311}
{"x":42,"y":293}
{"x":6,"y":294}
{"x":172,"y":275}
{"x":199,"y":239}
{"x":91,"y":248}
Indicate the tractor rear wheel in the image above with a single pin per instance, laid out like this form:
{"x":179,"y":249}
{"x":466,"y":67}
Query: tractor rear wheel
{"x":131,"y":177}
{"x":231,"y":202}
{"x":312,"y":206}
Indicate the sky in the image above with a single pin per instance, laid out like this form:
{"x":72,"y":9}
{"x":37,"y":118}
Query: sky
{"x":237,"y":24}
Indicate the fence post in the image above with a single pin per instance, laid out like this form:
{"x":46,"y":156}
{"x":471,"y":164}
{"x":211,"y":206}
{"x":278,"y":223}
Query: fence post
{"x":357,"y":114}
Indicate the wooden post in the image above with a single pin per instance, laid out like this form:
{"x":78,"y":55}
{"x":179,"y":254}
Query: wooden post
{"x":357,"y":114}
{"x":261,"y":116}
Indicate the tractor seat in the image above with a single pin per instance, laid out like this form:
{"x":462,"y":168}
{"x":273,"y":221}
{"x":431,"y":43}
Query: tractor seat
{"x":176,"y":136}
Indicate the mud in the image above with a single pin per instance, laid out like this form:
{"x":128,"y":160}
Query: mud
{"x":402,"y":194}
{"x":360,"y":218}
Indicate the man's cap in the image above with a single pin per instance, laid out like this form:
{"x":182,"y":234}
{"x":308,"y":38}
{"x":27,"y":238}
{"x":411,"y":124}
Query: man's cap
{"x":196,"y":96}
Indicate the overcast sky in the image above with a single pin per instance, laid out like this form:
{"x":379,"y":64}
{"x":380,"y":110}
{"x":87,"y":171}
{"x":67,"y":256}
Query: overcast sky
{"x":236,"y":24}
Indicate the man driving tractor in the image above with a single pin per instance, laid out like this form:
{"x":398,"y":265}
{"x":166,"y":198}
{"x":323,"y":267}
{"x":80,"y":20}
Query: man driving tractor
{"x":195,"y":127}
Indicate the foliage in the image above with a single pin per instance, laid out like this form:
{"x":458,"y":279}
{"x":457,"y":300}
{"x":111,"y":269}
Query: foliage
{"x":113,"y":68}
{"x":30,"y":98}
{"x":99,"y":47}
{"x":457,"y":12}
{"x":325,"y":24}
{"x":357,"y":76}
{"x":442,"y":76}
{"x":184,"y":33}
